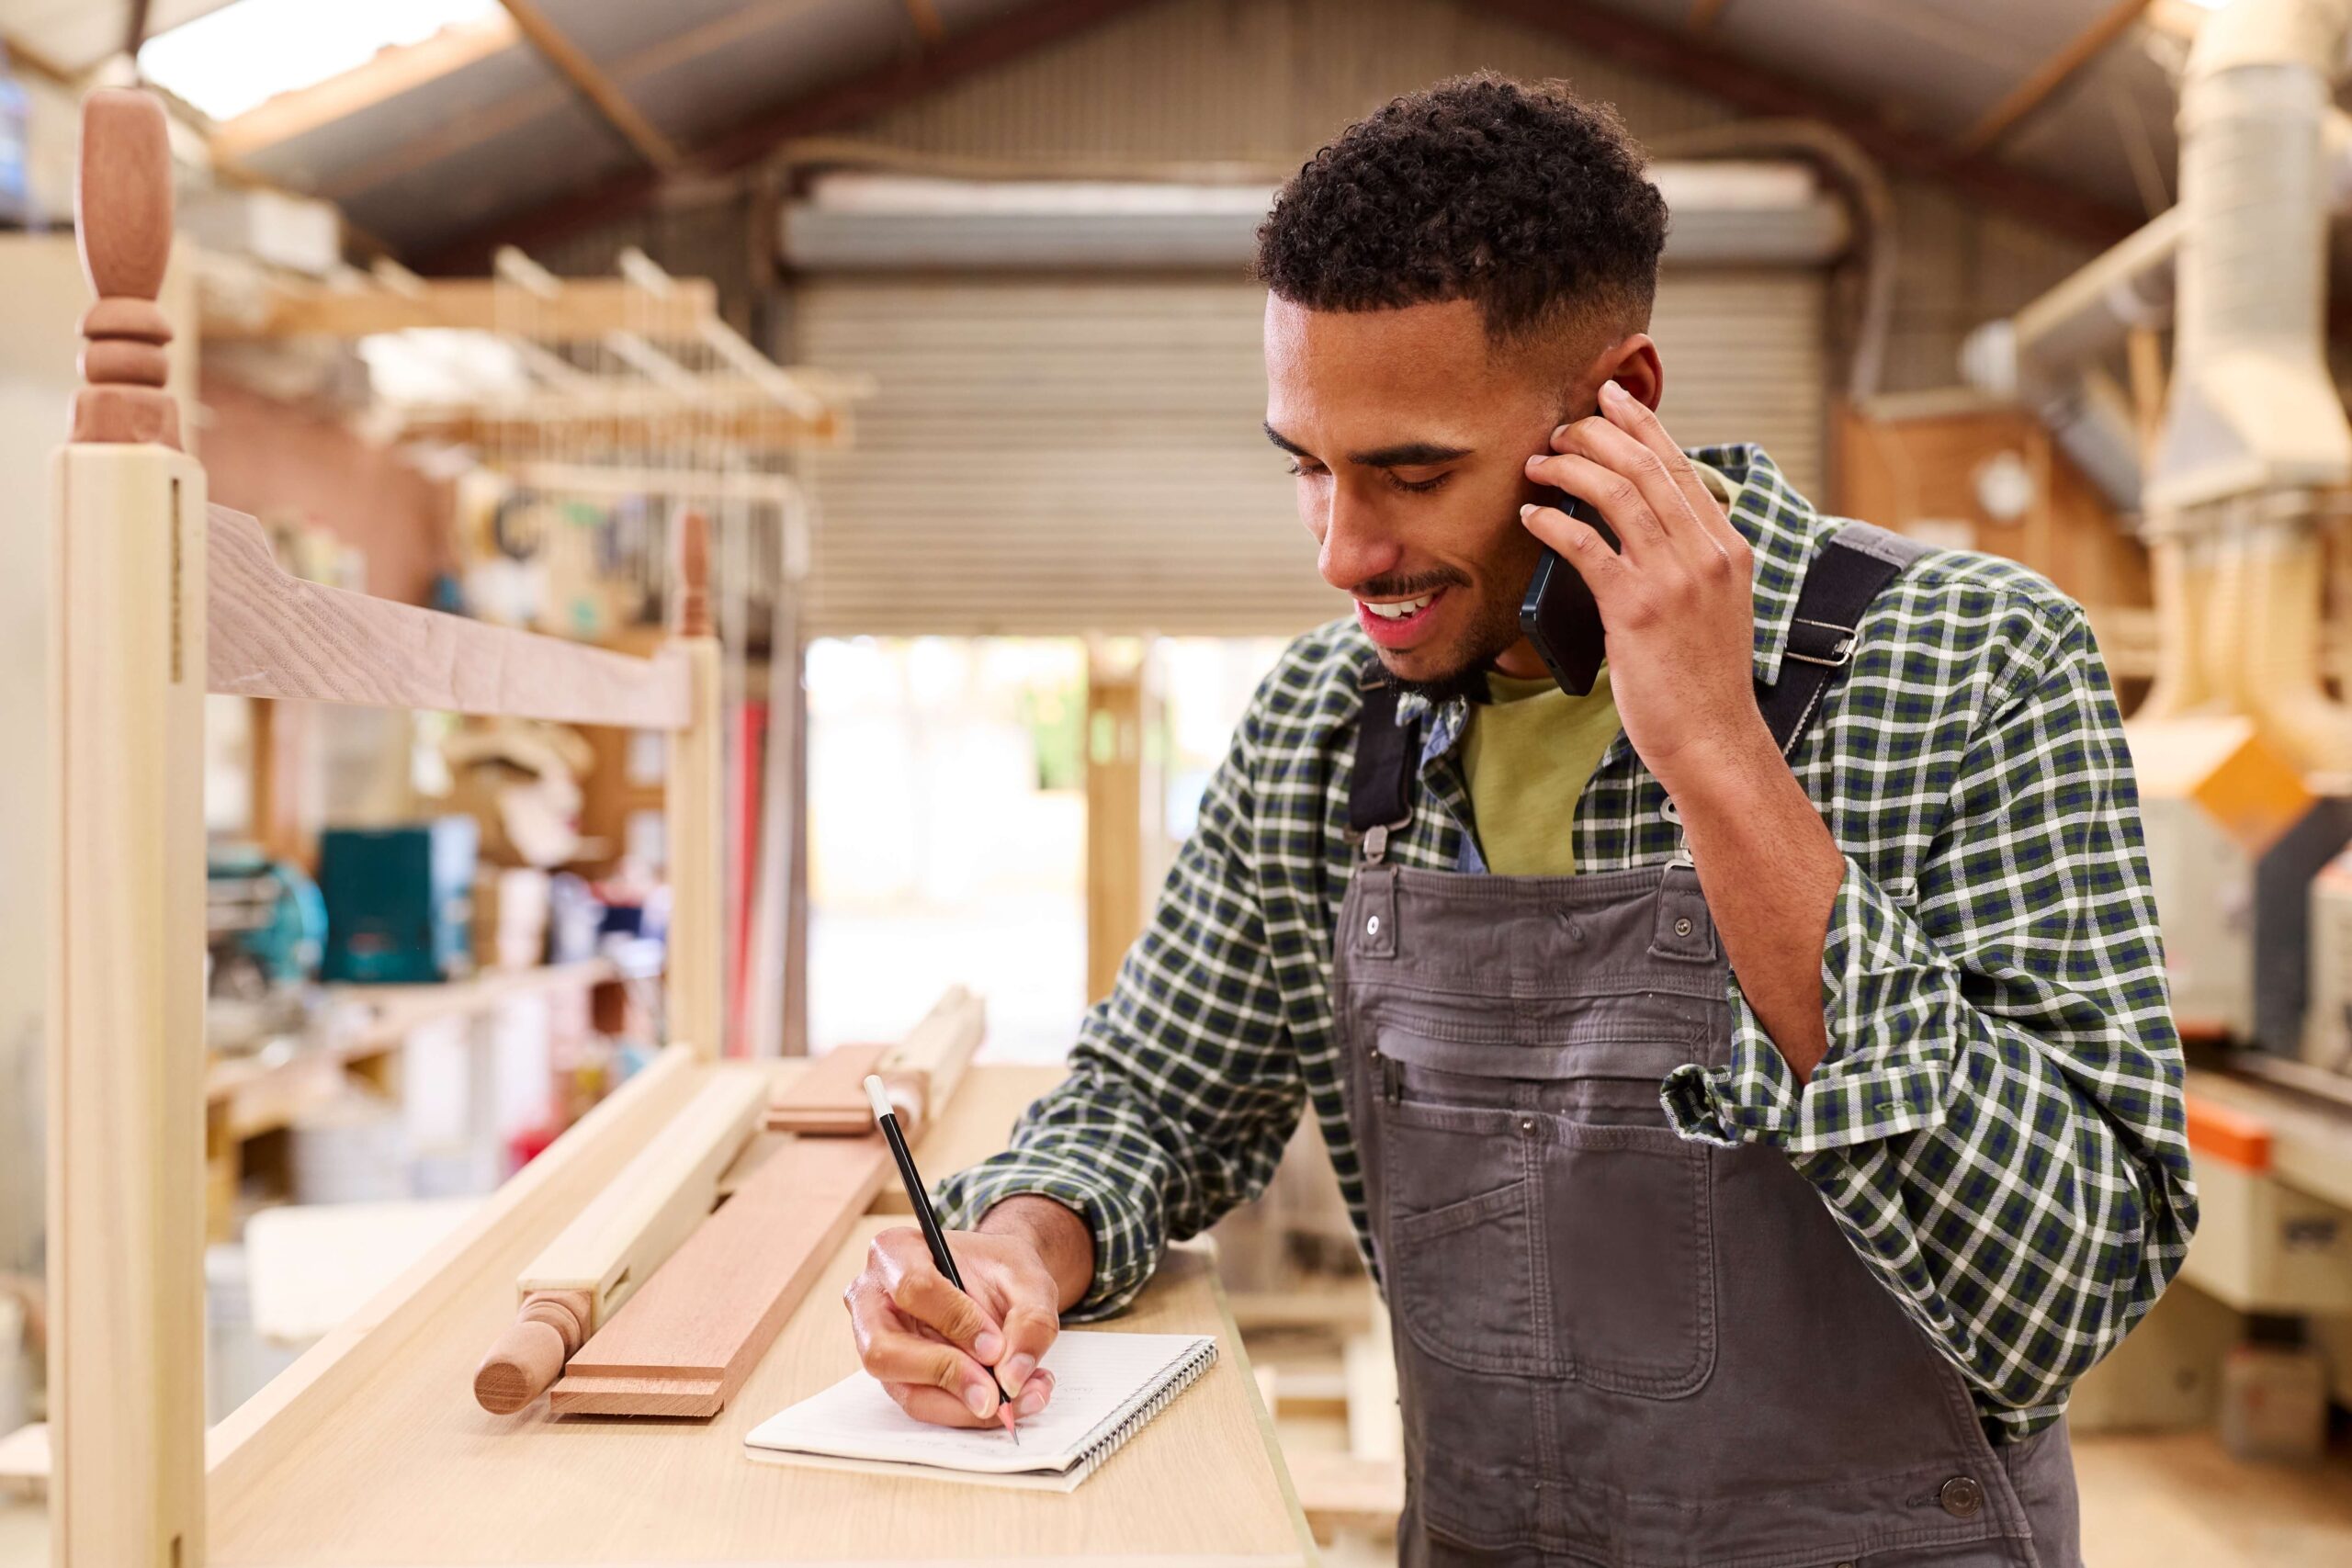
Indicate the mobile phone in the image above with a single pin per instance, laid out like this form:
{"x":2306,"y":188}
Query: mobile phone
{"x":1558,"y":614}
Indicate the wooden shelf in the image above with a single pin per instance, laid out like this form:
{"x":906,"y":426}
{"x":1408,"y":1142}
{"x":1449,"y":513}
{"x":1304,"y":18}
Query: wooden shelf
{"x":246,"y":1096}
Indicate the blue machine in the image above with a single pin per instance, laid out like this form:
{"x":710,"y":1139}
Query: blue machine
{"x":265,"y":923}
{"x":400,"y":901}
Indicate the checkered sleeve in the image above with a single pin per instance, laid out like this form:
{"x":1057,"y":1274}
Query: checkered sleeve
{"x":1998,"y":1125}
{"x":1183,"y":1087}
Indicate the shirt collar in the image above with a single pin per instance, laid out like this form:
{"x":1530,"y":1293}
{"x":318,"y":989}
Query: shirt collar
{"x":1782,"y":529}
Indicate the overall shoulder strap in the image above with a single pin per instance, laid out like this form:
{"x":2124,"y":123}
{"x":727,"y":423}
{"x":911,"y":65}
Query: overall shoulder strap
{"x":1859,"y":560}
{"x":1383,"y":769}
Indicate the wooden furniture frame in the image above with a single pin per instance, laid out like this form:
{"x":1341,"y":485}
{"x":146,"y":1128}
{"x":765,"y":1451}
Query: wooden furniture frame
{"x":157,"y":598}
{"x":371,"y":1449}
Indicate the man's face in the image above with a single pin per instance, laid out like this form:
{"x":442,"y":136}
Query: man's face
{"x":1409,"y":437}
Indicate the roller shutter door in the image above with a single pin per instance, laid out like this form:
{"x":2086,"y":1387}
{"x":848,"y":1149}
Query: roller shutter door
{"x":1072,"y":455}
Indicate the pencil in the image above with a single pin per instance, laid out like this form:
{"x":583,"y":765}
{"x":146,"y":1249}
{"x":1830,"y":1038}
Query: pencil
{"x":916,"y":1196}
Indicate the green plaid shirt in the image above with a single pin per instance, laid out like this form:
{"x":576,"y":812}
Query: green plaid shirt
{"x":1998,"y":1125}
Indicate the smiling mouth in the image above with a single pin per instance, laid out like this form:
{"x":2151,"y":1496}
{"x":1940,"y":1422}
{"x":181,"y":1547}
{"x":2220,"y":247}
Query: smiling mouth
{"x":1402,"y":609}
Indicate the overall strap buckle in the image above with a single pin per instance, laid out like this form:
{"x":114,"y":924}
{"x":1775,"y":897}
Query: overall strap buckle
{"x":1858,"y":561}
{"x":1377,"y":790}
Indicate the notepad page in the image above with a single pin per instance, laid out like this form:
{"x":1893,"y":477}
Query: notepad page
{"x":1098,"y":1380}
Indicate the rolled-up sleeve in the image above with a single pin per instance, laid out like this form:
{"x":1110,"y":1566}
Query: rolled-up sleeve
{"x":1184,"y":1085}
{"x":1998,"y":1124}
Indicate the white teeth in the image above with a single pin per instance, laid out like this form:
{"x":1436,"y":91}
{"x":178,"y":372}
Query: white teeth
{"x":1398,"y":611}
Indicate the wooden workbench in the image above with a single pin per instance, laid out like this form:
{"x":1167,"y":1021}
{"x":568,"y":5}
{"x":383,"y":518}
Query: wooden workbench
{"x":371,"y":1450}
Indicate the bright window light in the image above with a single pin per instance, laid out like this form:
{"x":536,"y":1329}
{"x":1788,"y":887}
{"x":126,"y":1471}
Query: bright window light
{"x":231,"y":59}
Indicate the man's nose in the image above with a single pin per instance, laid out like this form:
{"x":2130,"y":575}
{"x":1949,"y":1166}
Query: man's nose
{"x":1356,"y":548}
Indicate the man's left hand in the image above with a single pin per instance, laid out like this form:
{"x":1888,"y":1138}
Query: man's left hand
{"x":1677,"y":604}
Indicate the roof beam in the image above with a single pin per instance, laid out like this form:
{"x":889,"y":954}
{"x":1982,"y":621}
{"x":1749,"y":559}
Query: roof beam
{"x":386,"y":75}
{"x":1015,"y":34}
{"x":582,"y":73}
{"x":2050,"y":75}
{"x":1701,"y":64}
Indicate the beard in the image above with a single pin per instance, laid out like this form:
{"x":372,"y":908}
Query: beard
{"x":1462,"y":672}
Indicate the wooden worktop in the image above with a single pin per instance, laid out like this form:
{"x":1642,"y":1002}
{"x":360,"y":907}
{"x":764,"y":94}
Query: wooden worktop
{"x":376,"y":1452}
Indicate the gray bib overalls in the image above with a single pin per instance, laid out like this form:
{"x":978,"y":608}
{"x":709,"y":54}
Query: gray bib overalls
{"x":1614,"y":1345}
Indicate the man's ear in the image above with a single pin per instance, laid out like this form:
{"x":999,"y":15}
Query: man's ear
{"x":1632,"y":363}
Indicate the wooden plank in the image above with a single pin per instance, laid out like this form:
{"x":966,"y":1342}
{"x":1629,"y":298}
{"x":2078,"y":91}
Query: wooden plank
{"x":940,"y":1048}
{"x":274,"y":635}
{"x":829,"y":1099}
{"x":125,"y":1008}
{"x":697,"y":995}
{"x":684,"y":1343}
{"x":978,"y":1124}
{"x":125,"y":895}
{"x":1115,"y":802}
{"x":408,"y":1471}
{"x":620,"y":1239}
{"x":474,"y":1267}
{"x":923,"y":1070}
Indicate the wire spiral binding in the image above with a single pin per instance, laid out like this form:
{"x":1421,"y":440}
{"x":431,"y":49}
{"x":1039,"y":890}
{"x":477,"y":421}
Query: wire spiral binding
{"x":1198,"y":1360}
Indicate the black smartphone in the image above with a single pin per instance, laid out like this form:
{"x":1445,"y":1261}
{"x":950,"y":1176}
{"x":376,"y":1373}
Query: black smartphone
{"x":1558,"y":615}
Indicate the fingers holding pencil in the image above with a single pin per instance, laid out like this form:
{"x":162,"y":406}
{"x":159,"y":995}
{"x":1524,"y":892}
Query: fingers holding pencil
{"x":934,"y":1346}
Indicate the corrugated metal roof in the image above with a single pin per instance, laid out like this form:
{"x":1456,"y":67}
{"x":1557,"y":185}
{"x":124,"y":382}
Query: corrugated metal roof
{"x":503,"y":135}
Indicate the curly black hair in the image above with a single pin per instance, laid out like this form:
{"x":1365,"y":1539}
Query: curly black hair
{"x":1521,"y":197}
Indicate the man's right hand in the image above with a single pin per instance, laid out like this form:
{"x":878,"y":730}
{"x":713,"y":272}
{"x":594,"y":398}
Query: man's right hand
{"x":931,"y":1347}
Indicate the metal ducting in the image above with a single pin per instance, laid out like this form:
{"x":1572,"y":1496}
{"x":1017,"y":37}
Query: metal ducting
{"x":1755,"y":214}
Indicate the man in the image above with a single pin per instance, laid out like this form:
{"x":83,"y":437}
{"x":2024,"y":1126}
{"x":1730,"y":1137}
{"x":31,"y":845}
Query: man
{"x":1752,"y":1082}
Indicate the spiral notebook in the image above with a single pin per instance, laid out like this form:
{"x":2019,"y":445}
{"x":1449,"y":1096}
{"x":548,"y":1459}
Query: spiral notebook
{"x":1106,"y":1387}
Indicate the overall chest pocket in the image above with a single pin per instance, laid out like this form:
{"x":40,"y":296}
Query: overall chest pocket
{"x":1542,"y":1218}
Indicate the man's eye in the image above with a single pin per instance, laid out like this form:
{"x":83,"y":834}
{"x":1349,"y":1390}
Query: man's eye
{"x":1415,"y":487}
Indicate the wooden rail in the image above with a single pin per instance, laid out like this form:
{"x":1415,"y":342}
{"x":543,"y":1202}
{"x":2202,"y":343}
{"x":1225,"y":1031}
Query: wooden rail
{"x":276,"y":635}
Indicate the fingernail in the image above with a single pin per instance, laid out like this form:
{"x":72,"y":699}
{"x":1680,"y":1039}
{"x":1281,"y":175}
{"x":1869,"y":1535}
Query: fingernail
{"x":1030,"y":1402}
{"x":980,"y":1398}
{"x":1017,"y":1370}
{"x":1527,"y":512}
{"x":1559,"y":431}
{"x":1610,"y":393}
{"x":988,"y":1346}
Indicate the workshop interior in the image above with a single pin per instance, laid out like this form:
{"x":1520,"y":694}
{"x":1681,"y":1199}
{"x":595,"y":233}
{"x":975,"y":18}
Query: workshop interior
{"x":581,"y":578}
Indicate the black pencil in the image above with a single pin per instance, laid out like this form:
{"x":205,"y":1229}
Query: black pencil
{"x":876,"y":1097}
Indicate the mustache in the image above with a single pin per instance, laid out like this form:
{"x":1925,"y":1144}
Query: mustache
{"x":1408,"y":587}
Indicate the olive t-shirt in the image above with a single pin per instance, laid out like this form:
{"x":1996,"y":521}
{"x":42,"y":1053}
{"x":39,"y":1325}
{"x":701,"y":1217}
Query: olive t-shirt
{"x":1528,"y":754}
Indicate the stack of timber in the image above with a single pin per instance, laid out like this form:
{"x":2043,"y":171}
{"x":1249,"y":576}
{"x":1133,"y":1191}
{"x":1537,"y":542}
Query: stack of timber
{"x":921,"y":1073}
{"x":585,"y":1274}
{"x":643,"y":1318}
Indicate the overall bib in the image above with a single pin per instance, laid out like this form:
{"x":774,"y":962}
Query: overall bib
{"x":1615,"y":1345}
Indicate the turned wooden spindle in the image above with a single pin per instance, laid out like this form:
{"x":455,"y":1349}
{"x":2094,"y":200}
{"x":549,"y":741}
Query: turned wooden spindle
{"x":122,"y":211}
{"x":529,"y":1356}
{"x":690,"y":592}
